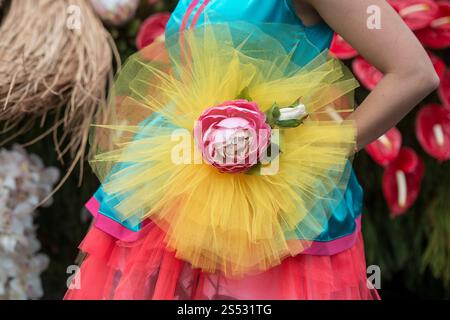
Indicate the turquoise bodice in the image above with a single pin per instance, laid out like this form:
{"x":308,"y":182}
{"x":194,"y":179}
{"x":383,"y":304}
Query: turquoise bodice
{"x":191,"y":13}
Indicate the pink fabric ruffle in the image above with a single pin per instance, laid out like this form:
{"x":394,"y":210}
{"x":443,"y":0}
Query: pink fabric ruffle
{"x":145,"y":269}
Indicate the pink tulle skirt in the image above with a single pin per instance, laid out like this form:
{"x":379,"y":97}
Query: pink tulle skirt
{"x":145,"y":269}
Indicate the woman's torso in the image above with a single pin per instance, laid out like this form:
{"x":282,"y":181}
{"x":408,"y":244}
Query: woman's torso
{"x":342,"y":227}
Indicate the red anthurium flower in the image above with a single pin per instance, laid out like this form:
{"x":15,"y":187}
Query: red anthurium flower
{"x":417,"y":14}
{"x":386,"y":148}
{"x":444,"y":89}
{"x":438,"y":63}
{"x":367,"y":74}
{"x":402,"y":181}
{"x":437,"y":34}
{"x":153,"y":29}
{"x":341,"y":49}
{"x":433,"y":131}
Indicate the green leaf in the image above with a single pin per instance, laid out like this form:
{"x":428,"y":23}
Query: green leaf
{"x":276,"y":112}
{"x":292,"y":123}
{"x":272,"y":115}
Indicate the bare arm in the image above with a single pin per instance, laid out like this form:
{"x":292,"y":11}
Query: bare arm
{"x":394,"y":50}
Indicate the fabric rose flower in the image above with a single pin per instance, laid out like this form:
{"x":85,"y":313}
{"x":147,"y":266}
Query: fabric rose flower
{"x":232,"y":136}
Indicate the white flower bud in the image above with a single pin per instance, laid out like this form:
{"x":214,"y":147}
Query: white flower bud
{"x":297,"y":112}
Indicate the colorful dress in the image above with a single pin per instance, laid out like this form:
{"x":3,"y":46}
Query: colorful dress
{"x":293,"y":235}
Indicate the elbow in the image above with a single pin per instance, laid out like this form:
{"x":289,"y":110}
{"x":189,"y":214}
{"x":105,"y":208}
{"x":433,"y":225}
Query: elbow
{"x":426,"y":78}
{"x":430,"y":80}
{"x":422,"y":76}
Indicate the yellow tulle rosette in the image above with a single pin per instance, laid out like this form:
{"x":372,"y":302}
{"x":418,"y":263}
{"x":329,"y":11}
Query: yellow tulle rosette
{"x":236,"y":223}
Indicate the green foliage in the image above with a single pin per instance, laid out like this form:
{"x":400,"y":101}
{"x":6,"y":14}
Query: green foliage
{"x":437,"y":252}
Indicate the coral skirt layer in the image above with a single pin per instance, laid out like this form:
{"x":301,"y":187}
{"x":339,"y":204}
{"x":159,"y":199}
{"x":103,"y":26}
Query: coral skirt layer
{"x":145,"y":269}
